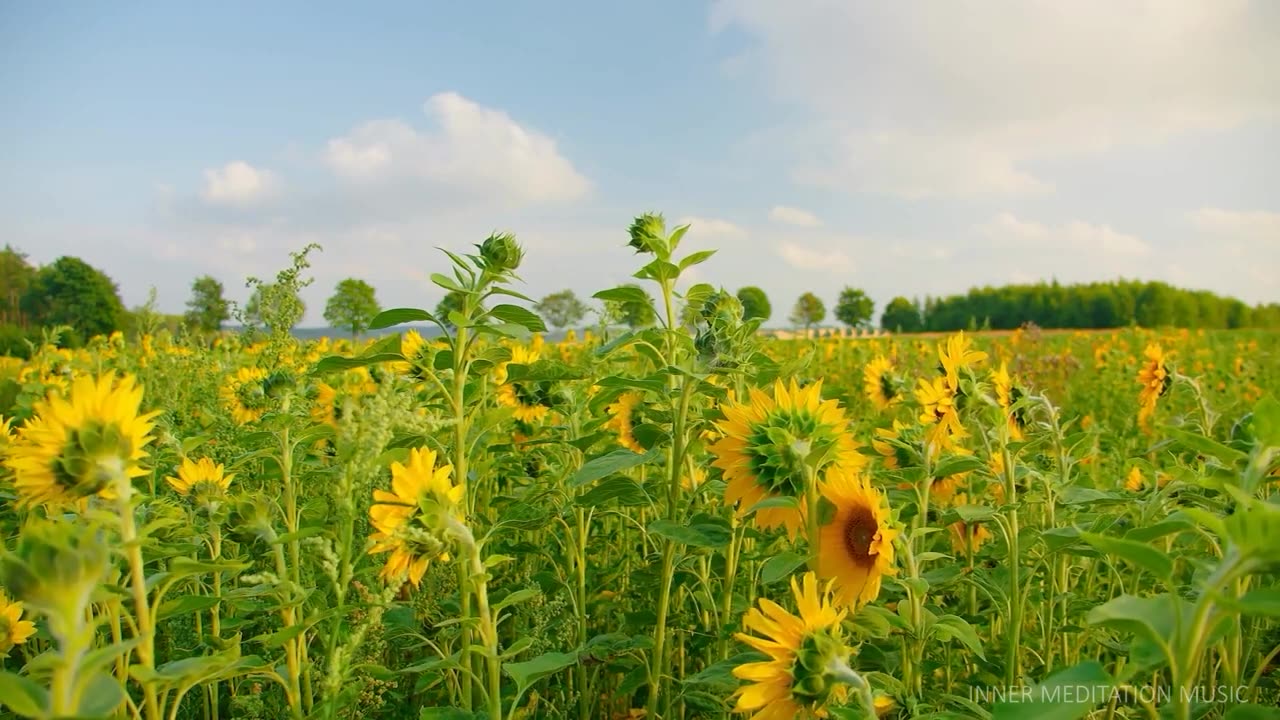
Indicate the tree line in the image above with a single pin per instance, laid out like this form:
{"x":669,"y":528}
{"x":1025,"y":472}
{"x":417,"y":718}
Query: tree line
{"x":81,"y":298}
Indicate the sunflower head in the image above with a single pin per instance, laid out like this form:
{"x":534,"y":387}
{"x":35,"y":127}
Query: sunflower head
{"x":773,"y":444}
{"x":13,"y":629}
{"x":879,"y":384}
{"x":55,"y":568}
{"x":956,"y":355}
{"x":245,"y":394}
{"x":417,"y":520}
{"x":82,"y":445}
{"x":622,"y":419}
{"x":894,"y":444}
{"x":501,"y":253}
{"x":1134,"y":481}
{"x":806,"y":668}
{"x":855,"y":545}
{"x":648,"y":234}
{"x":202,"y":481}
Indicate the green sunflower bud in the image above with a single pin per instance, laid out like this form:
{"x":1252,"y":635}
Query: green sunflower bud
{"x":55,"y":569}
{"x":648,"y":233}
{"x":501,"y":253}
{"x":819,"y":669}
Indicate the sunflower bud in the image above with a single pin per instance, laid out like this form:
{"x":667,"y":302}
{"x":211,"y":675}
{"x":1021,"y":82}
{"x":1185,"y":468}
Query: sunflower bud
{"x":648,"y":233}
{"x":55,"y":569}
{"x":501,"y":253}
{"x":819,"y":669}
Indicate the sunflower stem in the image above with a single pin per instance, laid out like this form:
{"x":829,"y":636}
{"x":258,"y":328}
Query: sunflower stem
{"x":138,"y":584}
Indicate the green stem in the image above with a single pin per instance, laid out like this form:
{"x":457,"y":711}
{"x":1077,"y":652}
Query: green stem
{"x":138,"y":585}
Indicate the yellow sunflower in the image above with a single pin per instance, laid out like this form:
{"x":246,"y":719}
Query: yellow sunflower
{"x":419,"y":355}
{"x":885,"y":442}
{"x":938,"y":411}
{"x":410,"y":521}
{"x":1006,"y":395}
{"x":966,"y":537}
{"x":245,"y":395}
{"x":806,"y":667}
{"x":13,"y":629}
{"x":79,"y":446}
{"x":769,"y":440}
{"x":202,"y":478}
{"x":879,"y":385}
{"x":528,"y":399}
{"x":620,"y":420}
{"x":1134,"y":482}
{"x":1155,"y":380}
{"x":955,"y":356}
{"x":855,"y":548}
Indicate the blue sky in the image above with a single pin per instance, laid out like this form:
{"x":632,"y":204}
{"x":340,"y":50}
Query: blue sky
{"x":906,"y":149}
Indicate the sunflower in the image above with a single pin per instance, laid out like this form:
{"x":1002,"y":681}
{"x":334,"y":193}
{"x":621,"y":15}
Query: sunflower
{"x":1134,"y":482}
{"x":768,"y":443}
{"x":955,"y":356}
{"x":528,"y":399}
{"x":967,"y":537}
{"x":1155,"y":380}
{"x":77,"y":447}
{"x":13,"y":629}
{"x":855,"y":548}
{"x":6,"y":433}
{"x":887,"y":442}
{"x":201,"y":478}
{"x":1007,"y":393}
{"x":419,"y":355}
{"x":245,"y":394}
{"x":409,"y":520}
{"x":620,"y":419}
{"x":879,"y":385}
{"x":806,"y":667}
{"x":938,"y":411}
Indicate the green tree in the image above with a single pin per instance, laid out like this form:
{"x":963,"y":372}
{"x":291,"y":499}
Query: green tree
{"x":272,"y":305}
{"x":854,"y":308}
{"x":632,"y":313}
{"x":71,"y":292}
{"x":809,"y":311}
{"x":16,"y":275}
{"x":561,"y":309}
{"x":450,"y":303}
{"x":207,"y":309}
{"x":755,"y":304}
{"x":902,"y":315}
{"x":353,"y":306}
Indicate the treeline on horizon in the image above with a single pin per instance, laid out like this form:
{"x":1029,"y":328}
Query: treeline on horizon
{"x":84,"y":301}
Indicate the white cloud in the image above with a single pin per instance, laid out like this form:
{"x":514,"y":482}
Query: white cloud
{"x":794,"y":216}
{"x":1258,"y":226}
{"x":237,"y":184}
{"x":471,"y":150}
{"x":1007,"y":230}
{"x":811,"y":259}
{"x":966,"y":98}
{"x":711,"y":227}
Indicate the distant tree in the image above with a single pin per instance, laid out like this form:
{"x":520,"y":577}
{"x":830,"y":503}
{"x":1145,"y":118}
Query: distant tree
{"x":450,"y":303}
{"x":353,"y":306}
{"x":854,"y":308}
{"x":207,"y":309}
{"x":273,"y":305}
{"x":809,"y":311}
{"x":561,"y":309}
{"x":632,"y":313}
{"x":755,"y":304}
{"x":71,"y":292}
{"x":902,"y":315}
{"x":16,"y":275}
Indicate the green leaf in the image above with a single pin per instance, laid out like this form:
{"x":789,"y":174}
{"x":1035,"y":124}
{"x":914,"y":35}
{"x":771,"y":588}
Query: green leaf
{"x":780,"y":566}
{"x":1266,"y":422}
{"x":337,"y":363}
{"x":949,"y":627}
{"x":101,"y":696}
{"x":696,"y":258}
{"x":446,"y":282}
{"x":624,"y":294}
{"x":720,"y":674}
{"x":608,"y":464}
{"x":658,"y":271}
{"x":1262,"y":601}
{"x":397,"y":316}
{"x":185,"y":605}
{"x":626,"y":491}
{"x":706,"y":534}
{"x":445,"y":713}
{"x":1207,"y":446}
{"x":1066,"y":695}
{"x":1144,"y":556}
{"x":775,"y":502}
{"x":531,"y":671}
{"x":517,"y":597}
{"x":22,"y":695}
{"x":975,"y":513}
{"x":1151,"y":620}
{"x":956,"y":464}
{"x":1252,"y":712}
{"x":519,"y":316}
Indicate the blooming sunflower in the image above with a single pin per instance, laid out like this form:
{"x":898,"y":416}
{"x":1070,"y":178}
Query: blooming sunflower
{"x":409,"y":521}
{"x":806,"y":666}
{"x":1155,"y":380}
{"x":855,"y":548}
{"x":768,"y":441}
{"x":957,"y":355}
{"x":13,"y":629}
{"x":878,"y":383}
{"x":620,"y":419}
{"x":79,"y":446}
{"x":1007,"y":393}
{"x":528,"y":399}
{"x":885,"y":441}
{"x":419,"y":355}
{"x":1134,"y":481}
{"x":245,"y":394}
{"x":202,"y":478}
{"x":938,"y":410}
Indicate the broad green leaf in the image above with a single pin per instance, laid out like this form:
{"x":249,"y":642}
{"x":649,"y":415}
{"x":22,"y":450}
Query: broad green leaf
{"x":22,"y":695}
{"x":1262,"y":601}
{"x":1144,"y":556}
{"x":948,"y":627}
{"x":720,"y":674}
{"x":956,"y":464}
{"x":608,"y":464}
{"x":185,"y":605}
{"x":531,"y":671}
{"x":624,"y":293}
{"x":519,"y":316}
{"x":1207,"y":446}
{"x":696,"y":258}
{"x":397,"y":316}
{"x":101,"y":696}
{"x":775,"y":502}
{"x":446,"y":282}
{"x":517,"y":597}
{"x":780,"y":566}
{"x":1151,"y":620}
{"x":1252,"y":712}
{"x":337,"y":363}
{"x":1066,"y":695}
{"x":626,"y":491}
{"x":1266,"y":422}
{"x":975,"y":513}
{"x":704,"y":534}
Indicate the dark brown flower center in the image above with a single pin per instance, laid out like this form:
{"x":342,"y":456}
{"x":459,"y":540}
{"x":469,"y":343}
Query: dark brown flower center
{"x":860,"y":530}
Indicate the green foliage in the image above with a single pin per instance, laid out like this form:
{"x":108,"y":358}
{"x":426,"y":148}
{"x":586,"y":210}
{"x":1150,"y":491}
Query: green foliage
{"x":561,"y":309}
{"x":16,"y":275}
{"x":755,"y":304}
{"x":207,"y":309}
{"x":633,"y":307}
{"x":352,"y":307}
{"x":73,"y":293}
{"x":808,"y":311}
{"x":902,"y":315}
{"x":854,"y":308}
{"x":274,"y":307}
{"x":449,"y":304}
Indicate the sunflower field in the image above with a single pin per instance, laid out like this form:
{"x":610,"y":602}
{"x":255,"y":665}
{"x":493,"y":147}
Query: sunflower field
{"x":690,"y":520}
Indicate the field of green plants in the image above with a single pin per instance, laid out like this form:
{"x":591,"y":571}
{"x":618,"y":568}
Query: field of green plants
{"x":689,"y":520}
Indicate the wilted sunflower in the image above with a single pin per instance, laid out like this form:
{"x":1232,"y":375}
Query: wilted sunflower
{"x":769,"y":440}
{"x":957,"y":355}
{"x":13,"y":629}
{"x":527,"y":398}
{"x":620,"y":419}
{"x":79,"y":446}
{"x":806,"y":668}
{"x":879,"y":385}
{"x":201,"y":478}
{"x":855,"y":548}
{"x":245,"y":394}
{"x":411,"y":521}
{"x":1155,"y":380}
